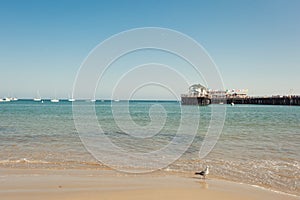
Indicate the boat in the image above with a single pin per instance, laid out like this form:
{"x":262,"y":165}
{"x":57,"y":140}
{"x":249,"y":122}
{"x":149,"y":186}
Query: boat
{"x":71,"y":99}
{"x":6,"y":99}
{"x":232,"y":104}
{"x":93,"y":100}
{"x":38,"y":97}
{"x":54,"y":100}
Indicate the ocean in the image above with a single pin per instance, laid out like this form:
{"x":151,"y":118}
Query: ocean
{"x":259,"y":144}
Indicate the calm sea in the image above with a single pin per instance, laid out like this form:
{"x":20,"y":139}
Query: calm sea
{"x":259,"y":145}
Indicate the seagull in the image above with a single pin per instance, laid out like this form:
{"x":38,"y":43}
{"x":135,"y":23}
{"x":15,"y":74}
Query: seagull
{"x":203,"y":173}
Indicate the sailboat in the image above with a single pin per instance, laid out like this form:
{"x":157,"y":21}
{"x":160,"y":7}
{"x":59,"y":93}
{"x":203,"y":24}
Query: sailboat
{"x":5,"y":100}
{"x":55,"y":100}
{"x":71,"y":99}
{"x":38,"y":97}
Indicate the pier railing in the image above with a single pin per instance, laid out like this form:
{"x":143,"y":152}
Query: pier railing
{"x":271,"y":100}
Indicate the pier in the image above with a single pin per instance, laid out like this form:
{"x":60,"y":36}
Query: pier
{"x":273,"y":100}
{"x":200,"y":95}
{"x":201,"y":101}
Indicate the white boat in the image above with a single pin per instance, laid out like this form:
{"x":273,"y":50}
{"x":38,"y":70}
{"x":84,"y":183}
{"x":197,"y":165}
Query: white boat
{"x":232,"y":104}
{"x":6,"y":99}
{"x":38,"y":97}
{"x":93,"y":100}
{"x":54,"y":100}
{"x":71,"y":99}
{"x":116,"y":100}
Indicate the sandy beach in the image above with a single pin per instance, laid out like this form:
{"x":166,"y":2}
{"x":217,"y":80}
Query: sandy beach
{"x":136,"y":100}
{"x":21,"y":184}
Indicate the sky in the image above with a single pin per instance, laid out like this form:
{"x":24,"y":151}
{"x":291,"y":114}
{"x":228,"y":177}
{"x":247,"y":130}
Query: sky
{"x":255,"y":44}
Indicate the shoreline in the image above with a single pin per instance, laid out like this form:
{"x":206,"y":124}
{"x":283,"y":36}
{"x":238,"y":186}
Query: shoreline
{"x":108,"y":184}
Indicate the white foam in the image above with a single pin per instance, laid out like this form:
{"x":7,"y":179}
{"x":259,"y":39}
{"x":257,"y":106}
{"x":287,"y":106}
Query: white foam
{"x":23,"y":160}
{"x":272,"y":190}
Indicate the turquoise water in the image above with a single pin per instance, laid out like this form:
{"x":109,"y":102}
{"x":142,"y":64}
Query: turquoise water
{"x":259,"y":145}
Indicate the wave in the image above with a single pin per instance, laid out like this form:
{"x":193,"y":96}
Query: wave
{"x":50,"y":164}
{"x":282,"y":176}
{"x":23,"y":160}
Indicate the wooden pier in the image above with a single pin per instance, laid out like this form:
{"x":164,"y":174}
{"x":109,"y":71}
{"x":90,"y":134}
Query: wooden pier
{"x":199,"y":95}
{"x":274,"y":100}
{"x":201,"y":101}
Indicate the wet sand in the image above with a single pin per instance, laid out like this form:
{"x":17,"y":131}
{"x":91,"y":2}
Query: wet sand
{"x":21,"y":184}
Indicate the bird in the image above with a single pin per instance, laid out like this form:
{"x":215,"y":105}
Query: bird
{"x":203,"y":173}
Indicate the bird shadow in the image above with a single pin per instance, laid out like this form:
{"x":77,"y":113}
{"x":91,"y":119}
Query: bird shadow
{"x":200,"y":178}
{"x":202,"y":182}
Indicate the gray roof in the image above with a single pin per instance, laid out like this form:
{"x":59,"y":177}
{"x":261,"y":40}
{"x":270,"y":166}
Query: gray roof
{"x":196,"y":86}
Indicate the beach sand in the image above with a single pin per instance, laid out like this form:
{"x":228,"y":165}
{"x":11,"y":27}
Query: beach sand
{"x":20,"y":184}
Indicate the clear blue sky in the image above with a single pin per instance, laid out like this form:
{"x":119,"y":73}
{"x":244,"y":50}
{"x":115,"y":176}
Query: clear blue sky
{"x":255,"y":44}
